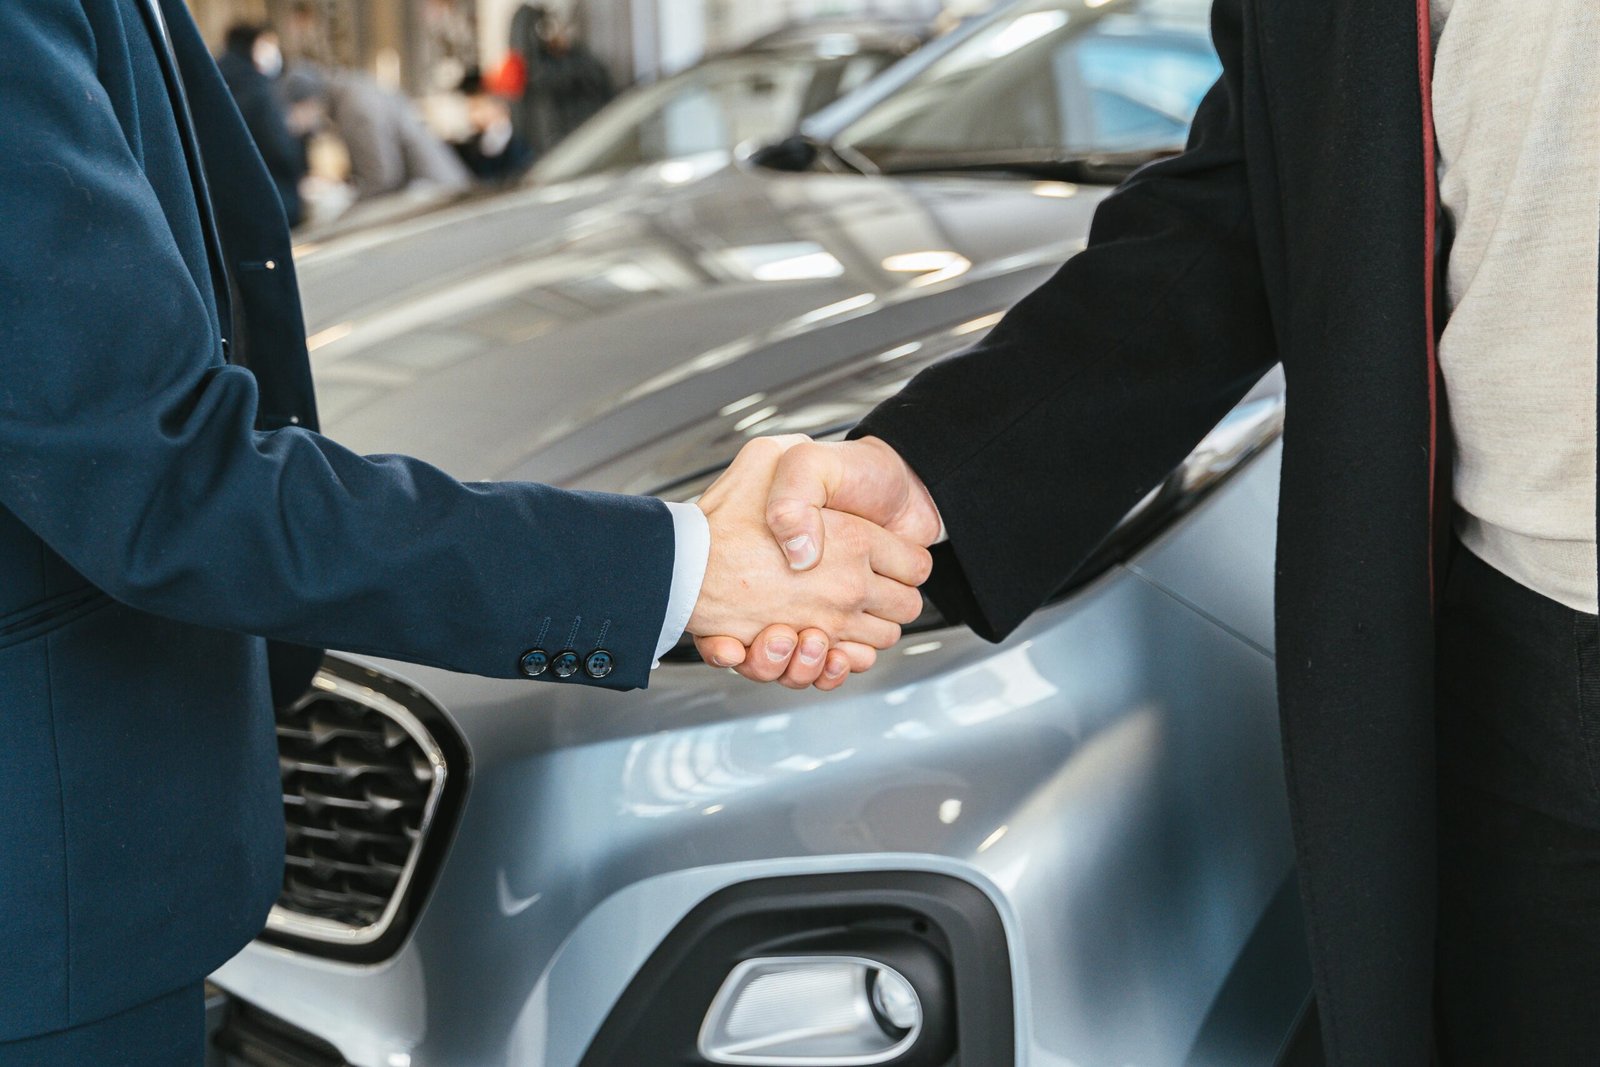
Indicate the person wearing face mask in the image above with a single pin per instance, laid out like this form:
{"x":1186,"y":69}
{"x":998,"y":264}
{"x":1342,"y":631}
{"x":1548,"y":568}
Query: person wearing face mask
{"x":251,"y":61}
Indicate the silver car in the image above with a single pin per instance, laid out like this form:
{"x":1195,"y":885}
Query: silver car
{"x":1071,"y":848}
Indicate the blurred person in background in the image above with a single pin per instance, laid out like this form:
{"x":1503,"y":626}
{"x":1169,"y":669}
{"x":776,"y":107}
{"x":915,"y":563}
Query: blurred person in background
{"x":527,"y":29}
{"x":305,"y":35}
{"x":390,"y":149}
{"x":563,"y":82}
{"x":571,"y":78}
{"x":251,"y":62}
{"x":492,"y":150}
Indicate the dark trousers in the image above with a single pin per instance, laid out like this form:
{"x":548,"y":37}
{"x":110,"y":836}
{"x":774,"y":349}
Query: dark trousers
{"x":167,"y":1032}
{"x":1519,"y":825}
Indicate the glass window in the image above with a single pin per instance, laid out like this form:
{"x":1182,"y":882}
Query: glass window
{"x":712,"y":108}
{"x":1055,"y":78}
{"x":1141,"y":90}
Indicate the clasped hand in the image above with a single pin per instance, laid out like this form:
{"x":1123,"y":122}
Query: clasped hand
{"x":817,"y":551}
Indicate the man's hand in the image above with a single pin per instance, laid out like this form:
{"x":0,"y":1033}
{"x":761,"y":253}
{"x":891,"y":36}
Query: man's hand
{"x":856,"y":599}
{"x":866,"y":478}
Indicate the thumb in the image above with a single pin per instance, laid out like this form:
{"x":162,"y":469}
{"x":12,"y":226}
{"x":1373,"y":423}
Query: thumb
{"x":801,"y":487}
{"x":720,"y":651}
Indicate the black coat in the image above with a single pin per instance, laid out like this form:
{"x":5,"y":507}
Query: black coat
{"x":1300,"y":226}
{"x":564,"y":89}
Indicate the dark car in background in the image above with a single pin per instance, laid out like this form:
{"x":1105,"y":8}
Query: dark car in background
{"x":1070,"y":849}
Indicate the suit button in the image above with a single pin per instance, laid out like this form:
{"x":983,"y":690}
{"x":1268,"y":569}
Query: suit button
{"x":599,"y":664}
{"x":534,"y":663}
{"x":565,"y":665}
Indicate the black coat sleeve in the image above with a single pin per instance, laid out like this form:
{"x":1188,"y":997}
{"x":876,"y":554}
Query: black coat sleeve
{"x":1038,"y":440}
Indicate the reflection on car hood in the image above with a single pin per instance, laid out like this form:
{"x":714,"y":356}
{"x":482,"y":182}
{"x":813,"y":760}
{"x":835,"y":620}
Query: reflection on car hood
{"x":550,"y":334}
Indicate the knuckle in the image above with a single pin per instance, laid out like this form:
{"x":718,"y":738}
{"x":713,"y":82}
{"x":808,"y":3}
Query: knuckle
{"x":785,"y":512}
{"x":793,"y":465}
{"x":806,"y":452}
{"x":758,"y":448}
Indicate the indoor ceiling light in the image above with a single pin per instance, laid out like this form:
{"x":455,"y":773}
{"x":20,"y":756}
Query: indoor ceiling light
{"x":920,"y":262}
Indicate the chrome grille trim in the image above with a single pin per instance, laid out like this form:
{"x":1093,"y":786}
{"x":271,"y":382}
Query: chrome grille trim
{"x":292,"y":923}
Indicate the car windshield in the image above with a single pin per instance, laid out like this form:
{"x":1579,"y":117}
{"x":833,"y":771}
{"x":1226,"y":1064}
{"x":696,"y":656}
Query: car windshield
{"x":713,"y":108}
{"x":1048,"y":80}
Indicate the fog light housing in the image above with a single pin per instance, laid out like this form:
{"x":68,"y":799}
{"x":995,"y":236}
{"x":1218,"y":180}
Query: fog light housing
{"x":811,"y":1011}
{"x":895,"y":1001}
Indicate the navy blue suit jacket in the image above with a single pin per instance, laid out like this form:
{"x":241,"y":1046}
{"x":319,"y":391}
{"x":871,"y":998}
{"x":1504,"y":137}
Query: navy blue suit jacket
{"x":165,"y":506}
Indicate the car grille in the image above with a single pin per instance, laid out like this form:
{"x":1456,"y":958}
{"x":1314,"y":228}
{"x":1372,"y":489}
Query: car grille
{"x":243,"y":1035}
{"x":362,"y":780}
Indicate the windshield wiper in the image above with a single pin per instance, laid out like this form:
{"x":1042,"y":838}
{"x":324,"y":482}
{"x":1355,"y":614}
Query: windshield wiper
{"x":802,"y":152}
{"x":1104,"y":168}
{"x":851,"y":158}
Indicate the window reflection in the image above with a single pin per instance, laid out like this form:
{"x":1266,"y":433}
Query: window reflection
{"x":710,"y":110}
{"x":1057,"y":79}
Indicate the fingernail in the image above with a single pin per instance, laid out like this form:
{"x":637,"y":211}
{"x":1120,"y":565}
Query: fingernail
{"x":718,"y":661}
{"x":836,"y":670}
{"x":779,"y":650}
{"x":812,"y":650}
{"x":800,"y":551}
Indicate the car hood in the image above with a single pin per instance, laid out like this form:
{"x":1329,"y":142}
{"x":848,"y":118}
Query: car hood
{"x":551,"y":334}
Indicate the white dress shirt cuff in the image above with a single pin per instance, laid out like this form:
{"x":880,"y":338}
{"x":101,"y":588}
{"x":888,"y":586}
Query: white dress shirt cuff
{"x":692,"y":534}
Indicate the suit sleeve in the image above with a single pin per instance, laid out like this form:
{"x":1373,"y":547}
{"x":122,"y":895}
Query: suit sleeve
{"x":1098,"y":384}
{"x":129,"y":446}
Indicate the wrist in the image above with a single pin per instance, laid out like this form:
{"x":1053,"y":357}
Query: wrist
{"x":691,"y":555}
{"x":919,"y":517}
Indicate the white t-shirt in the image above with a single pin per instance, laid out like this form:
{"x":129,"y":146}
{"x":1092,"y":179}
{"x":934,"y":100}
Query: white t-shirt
{"x":1516,"y":102}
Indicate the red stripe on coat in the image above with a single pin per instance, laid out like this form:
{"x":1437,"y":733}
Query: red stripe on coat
{"x":1430,"y":267}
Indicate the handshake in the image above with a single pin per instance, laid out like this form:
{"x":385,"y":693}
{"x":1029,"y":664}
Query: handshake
{"x":817,"y":551}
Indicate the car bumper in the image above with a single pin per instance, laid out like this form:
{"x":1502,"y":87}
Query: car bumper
{"x":1109,"y":778}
